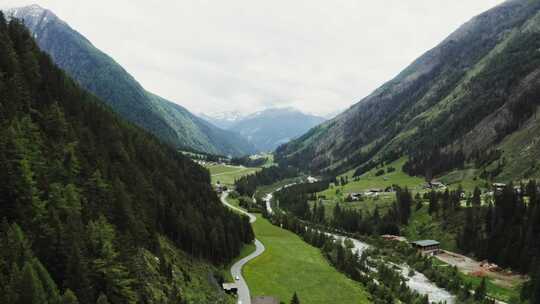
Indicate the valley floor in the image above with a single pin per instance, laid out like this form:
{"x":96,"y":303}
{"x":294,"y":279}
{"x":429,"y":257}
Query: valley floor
{"x":227,"y":174}
{"x":290,"y":265}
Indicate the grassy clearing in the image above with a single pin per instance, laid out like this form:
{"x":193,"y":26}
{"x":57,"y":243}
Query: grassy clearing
{"x":226,"y":174}
{"x":384,"y":202}
{"x":505,"y":294}
{"x":290,"y":265}
{"x":467,"y":178}
{"x":423,"y":226}
{"x":494,"y":290}
{"x":337,"y":194}
{"x":263,"y":190}
{"x":369,"y":180}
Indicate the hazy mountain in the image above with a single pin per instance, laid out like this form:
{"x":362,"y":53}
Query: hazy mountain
{"x":101,"y":75}
{"x":475,"y":95}
{"x":272,"y":127}
{"x":224,"y":119}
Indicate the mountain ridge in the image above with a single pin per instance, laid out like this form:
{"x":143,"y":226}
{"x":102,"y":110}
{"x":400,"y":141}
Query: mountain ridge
{"x":100,"y":74}
{"x":433,"y":102}
{"x":269,"y":128}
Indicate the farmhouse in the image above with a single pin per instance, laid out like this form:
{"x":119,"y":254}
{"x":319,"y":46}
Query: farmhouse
{"x":230,"y":288}
{"x":435,"y":185}
{"x":427,"y":246}
{"x":353,"y":197}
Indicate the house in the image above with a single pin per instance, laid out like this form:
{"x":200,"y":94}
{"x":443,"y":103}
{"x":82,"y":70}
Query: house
{"x":354,"y":197}
{"x":498,"y":185}
{"x":312,"y":179}
{"x":436,"y":185}
{"x":427,"y":246}
{"x":230,"y":288}
{"x":219,"y":188}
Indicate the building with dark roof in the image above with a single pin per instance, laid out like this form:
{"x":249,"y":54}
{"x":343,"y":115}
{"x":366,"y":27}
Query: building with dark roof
{"x":427,"y":246}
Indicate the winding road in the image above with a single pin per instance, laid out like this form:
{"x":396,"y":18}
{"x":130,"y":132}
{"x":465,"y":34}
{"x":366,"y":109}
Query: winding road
{"x":236,"y":270}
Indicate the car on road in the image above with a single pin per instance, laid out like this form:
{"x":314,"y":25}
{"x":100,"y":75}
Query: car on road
{"x":237,"y":278}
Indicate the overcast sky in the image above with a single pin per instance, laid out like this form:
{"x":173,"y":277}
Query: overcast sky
{"x":316,"y":55}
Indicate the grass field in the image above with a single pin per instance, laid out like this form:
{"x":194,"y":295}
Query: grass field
{"x":423,"y":226}
{"x":226,"y":174}
{"x":290,"y":265}
{"x":467,"y":178}
{"x":384,"y":202}
{"x":369,"y":180}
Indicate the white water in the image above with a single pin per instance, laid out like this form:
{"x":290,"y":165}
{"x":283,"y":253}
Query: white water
{"x":418,"y":282}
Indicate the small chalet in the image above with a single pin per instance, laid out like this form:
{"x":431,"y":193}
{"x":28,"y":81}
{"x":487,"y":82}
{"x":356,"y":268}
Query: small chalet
{"x":311,"y":179}
{"x":498,"y":185}
{"x":230,"y":288}
{"x":353,"y":197}
{"x":436,"y":185}
{"x":427,"y":246}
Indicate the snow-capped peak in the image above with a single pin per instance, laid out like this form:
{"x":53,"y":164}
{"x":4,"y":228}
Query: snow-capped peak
{"x":34,"y":16}
{"x":225,"y":115}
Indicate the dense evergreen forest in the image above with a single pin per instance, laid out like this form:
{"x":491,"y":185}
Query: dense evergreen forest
{"x":83,"y":193}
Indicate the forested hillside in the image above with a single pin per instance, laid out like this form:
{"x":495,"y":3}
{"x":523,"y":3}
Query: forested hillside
{"x":472,"y":98}
{"x":92,"y":207}
{"x":101,"y":75}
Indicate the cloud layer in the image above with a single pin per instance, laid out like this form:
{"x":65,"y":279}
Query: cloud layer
{"x":318,"y":56}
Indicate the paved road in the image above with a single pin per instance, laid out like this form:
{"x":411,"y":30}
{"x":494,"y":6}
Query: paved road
{"x":236,"y":270}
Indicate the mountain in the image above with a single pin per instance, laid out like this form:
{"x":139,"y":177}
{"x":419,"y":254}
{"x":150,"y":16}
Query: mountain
{"x":222,"y":120}
{"x":267,"y":129}
{"x":101,"y":75}
{"x":93,"y":208}
{"x":473,"y":97}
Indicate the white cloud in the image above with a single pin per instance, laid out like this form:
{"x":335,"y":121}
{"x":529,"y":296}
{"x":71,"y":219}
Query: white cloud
{"x":245,"y":55}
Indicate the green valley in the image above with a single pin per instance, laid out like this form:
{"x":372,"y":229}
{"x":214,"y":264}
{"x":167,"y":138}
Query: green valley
{"x":290,"y":265}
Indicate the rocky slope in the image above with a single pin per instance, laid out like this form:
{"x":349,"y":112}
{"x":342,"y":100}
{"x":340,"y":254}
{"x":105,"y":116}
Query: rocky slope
{"x":470,"y":94}
{"x":101,"y":75}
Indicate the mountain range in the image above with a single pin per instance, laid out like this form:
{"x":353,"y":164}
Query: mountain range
{"x":266,"y":129}
{"x":100,"y":74}
{"x":473,"y":96}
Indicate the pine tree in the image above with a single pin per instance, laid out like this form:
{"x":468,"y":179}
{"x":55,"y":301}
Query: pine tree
{"x":102,"y":299}
{"x":480,"y":291}
{"x":476,"y":200}
{"x":106,"y":266}
{"x":295,"y":299}
{"x":69,"y":297}
{"x":49,"y":286}
{"x":30,"y":288}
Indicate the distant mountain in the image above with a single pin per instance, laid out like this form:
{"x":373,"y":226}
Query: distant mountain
{"x":223,"y":120}
{"x":272,"y":127}
{"x":474,"y":96}
{"x":101,"y":75}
